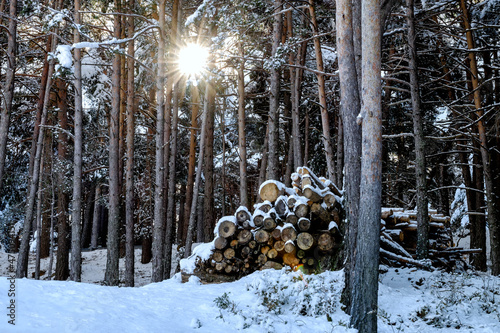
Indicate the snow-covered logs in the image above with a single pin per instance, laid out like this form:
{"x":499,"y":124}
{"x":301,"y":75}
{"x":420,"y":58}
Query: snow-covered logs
{"x":291,"y":226}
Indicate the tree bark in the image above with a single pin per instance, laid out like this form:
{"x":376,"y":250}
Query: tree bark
{"x":76,"y":214}
{"x":159,"y":217}
{"x":242,"y":144}
{"x":192,"y":159}
{"x":111,"y":277}
{"x":325,"y":121}
{"x":365,"y":283}
{"x":129,"y":196}
{"x":349,"y":108}
{"x":9,"y":85}
{"x":418,"y":130}
{"x":273,"y":121}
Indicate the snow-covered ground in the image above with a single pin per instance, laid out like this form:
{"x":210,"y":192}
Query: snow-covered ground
{"x":410,"y":300}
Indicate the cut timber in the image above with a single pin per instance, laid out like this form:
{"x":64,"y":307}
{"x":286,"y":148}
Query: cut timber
{"x":220,"y":266}
{"x":273,"y":265}
{"x":245,"y":251}
{"x":386,"y":212}
{"x":304,"y":224}
{"x":279,"y":245}
{"x":261,"y":236}
{"x":242,"y":215}
{"x":305,"y":241}
{"x":227,"y":229}
{"x":229,"y":269}
{"x":258,"y":220}
{"x":330,"y":200}
{"x":301,"y":254}
{"x":244,"y":236}
{"x":288,"y":234}
{"x":312,"y":194}
{"x":325,"y":242}
{"x":290,"y":247}
{"x":306,"y":181}
{"x":264,"y":207}
{"x":321,"y":214}
{"x":301,"y":210}
{"x":218,"y":256}
{"x":229,"y":253}
{"x":272,"y":253}
{"x":234,"y":243}
{"x":291,"y":259}
{"x":261,"y":259}
{"x":252,"y":244}
{"x":281,"y":206}
{"x":276,"y":233}
{"x":403,"y":260}
{"x":269,"y":223}
{"x":292,"y":219}
{"x":246,"y":225}
{"x":270,"y":191}
{"x":220,"y":243}
{"x":291,"y":201}
{"x":265,"y":249}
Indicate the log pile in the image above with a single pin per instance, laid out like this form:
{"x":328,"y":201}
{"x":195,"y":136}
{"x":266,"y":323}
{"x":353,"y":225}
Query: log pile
{"x":303,"y":226}
{"x":291,"y":226}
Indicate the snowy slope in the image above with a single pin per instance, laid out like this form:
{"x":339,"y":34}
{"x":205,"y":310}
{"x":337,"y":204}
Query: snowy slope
{"x":270,"y":301}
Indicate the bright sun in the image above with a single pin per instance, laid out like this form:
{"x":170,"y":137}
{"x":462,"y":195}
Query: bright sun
{"x":192,"y":59}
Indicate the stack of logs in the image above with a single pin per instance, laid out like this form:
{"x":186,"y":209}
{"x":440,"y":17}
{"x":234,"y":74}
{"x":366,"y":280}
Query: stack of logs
{"x":291,"y":226}
{"x":303,"y":227}
{"x":398,"y":239}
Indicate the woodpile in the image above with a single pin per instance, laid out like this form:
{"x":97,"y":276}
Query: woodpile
{"x":302,"y":226}
{"x":291,"y":226}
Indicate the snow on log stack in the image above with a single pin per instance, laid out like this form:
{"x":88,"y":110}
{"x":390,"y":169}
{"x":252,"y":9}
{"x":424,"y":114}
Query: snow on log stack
{"x":291,"y":226}
{"x":303,"y":226}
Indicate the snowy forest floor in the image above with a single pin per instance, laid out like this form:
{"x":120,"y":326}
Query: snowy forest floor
{"x":410,"y":300}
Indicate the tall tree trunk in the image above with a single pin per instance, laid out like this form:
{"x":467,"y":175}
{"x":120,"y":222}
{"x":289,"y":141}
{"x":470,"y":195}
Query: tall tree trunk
{"x":349,"y":108}
{"x":39,"y":222}
{"x":325,"y":121}
{"x":111,"y":277}
{"x":63,"y":245}
{"x":129,"y":204}
{"x":159,"y":216}
{"x":76,"y":215}
{"x":242,"y":143}
{"x":493,"y":213}
{"x":9,"y":85}
{"x":171,"y":188}
{"x":365,"y":286}
{"x":196,"y":187}
{"x":22,"y":259}
{"x":208,"y":192}
{"x":418,"y":130}
{"x":195,"y":95}
{"x":274,"y":97}
{"x":95,"y":218}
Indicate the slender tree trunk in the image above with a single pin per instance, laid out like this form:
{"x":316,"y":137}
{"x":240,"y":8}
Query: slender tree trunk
{"x":63,"y":245}
{"x":242,"y":144}
{"x":208,"y":192}
{"x":192,"y":213}
{"x":129,"y":205}
{"x":192,"y":159}
{"x":111,"y":277}
{"x":76,"y":215}
{"x":493,"y":214}
{"x":9,"y":85}
{"x":349,"y":108}
{"x":159,"y":216}
{"x":22,"y":259}
{"x":418,"y":130}
{"x":365,"y":286}
{"x":273,"y":121}
{"x":325,"y":121}
{"x":95,"y":218}
{"x":39,"y":222}
{"x":171,"y":185}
